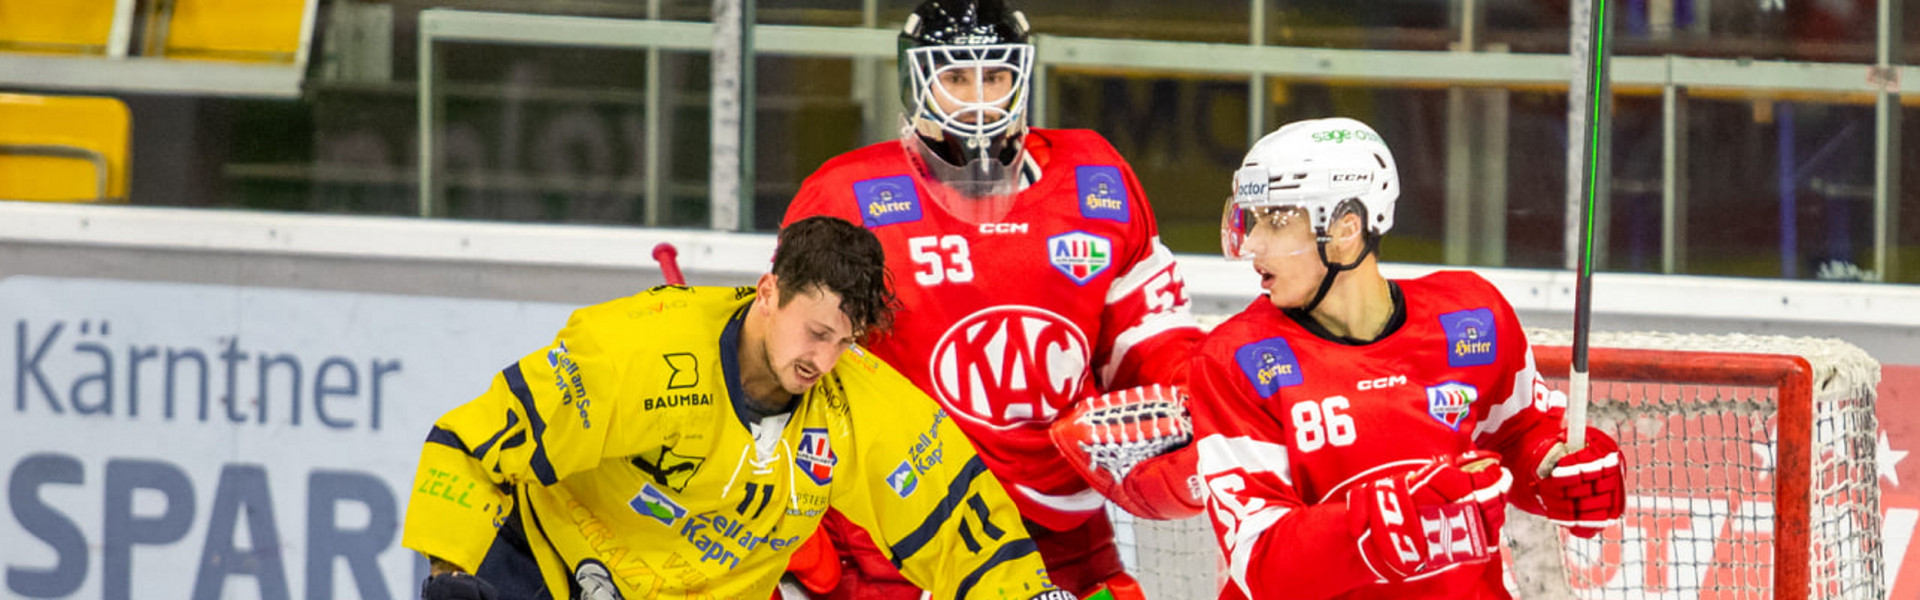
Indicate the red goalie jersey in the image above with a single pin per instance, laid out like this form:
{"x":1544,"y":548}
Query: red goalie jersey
{"x":1287,"y":418}
{"x":1006,"y":323}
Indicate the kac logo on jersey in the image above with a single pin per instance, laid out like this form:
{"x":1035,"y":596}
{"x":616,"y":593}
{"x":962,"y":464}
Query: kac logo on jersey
{"x":1103,"y":192}
{"x":1079,"y":255}
{"x":903,"y":480}
{"x":887,"y":200}
{"x":1450,"y":401}
{"x":815,"y":455}
{"x":652,"y":503}
{"x":1471,"y":339}
{"x":1269,"y":365}
{"x":1009,"y":365}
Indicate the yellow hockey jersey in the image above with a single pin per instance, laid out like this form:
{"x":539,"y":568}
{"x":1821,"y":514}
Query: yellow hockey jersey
{"x":625,"y":442}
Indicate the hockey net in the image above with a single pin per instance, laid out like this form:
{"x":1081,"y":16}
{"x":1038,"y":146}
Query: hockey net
{"x":1750,"y":473}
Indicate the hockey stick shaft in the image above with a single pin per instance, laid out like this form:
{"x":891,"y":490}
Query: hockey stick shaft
{"x":669,"y":259}
{"x":1593,"y":73}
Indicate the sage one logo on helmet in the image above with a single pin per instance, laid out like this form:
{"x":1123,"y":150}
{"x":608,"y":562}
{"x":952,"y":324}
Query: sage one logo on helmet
{"x":1010,"y":364}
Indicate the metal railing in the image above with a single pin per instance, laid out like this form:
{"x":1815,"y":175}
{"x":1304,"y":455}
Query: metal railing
{"x":1673,"y":75}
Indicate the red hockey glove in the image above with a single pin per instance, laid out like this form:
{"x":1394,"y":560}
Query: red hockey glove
{"x":1132,"y":446}
{"x":1444,"y":514}
{"x":1583,"y":491}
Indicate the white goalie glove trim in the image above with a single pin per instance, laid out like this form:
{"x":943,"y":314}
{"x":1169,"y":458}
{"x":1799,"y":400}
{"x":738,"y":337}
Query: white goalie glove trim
{"x":1123,"y":433}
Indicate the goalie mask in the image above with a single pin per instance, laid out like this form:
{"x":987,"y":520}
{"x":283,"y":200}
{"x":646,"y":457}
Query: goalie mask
{"x":1318,"y":170}
{"x":964,"y":75}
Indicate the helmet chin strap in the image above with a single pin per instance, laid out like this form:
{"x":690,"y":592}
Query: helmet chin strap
{"x":1334,"y":269}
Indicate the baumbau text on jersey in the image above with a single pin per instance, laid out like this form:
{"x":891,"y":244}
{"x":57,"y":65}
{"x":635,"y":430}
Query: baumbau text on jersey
{"x":677,"y":401}
{"x":81,"y":367}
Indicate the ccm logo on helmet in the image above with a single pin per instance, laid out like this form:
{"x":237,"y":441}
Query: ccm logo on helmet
{"x":1351,"y":176}
{"x":1381,"y":383}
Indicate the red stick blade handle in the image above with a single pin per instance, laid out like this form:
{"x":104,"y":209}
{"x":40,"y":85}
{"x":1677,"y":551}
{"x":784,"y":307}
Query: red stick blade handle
{"x":669,"y":259}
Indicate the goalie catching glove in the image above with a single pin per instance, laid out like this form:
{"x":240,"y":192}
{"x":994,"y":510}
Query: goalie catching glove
{"x":1134,"y":447}
{"x":1446,"y":513}
{"x":1583,"y":491}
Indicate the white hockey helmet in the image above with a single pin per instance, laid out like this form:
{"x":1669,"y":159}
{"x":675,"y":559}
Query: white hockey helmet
{"x":1318,"y":165}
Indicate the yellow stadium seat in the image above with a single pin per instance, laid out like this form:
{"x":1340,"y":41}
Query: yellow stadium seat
{"x":64,"y":148}
{"x":56,"y":26}
{"x":243,"y":30}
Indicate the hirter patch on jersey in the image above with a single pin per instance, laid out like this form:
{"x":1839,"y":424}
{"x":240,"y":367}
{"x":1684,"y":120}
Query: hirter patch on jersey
{"x":1471,"y":340}
{"x":1450,"y":401}
{"x":1103,"y":192}
{"x":815,"y":455}
{"x":887,"y":200}
{"x":1269,"y":365}
{"x":652,"y":503}
{"x":903,"y":480}
{"x":1080,"y":255}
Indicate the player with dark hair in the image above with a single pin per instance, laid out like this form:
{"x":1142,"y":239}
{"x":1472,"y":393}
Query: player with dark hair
{"x":1040,"y":303}
{"x":682,"y":442}
{"x":1361,"y":437}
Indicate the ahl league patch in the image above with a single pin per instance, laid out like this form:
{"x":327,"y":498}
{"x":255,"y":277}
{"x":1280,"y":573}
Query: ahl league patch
{"x":652,"y":503}
{"x":1471,"y":339}
{"x":1449,"y":402}
{"x":903,"y":480}
{"x":1103,"y":192}
{"x":1269,"y":365}
{"x":887,"y":200}
{"x":815,"y":455}
{"x":1080,"y":255}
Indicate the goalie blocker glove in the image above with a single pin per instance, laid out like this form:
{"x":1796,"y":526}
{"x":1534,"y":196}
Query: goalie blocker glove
{"x":1415,"y":524}
{"x":1583,"y":491}
{"x":1134,"y":447}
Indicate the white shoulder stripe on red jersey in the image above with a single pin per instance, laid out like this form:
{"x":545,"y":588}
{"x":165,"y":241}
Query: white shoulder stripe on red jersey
{"x":1082,"y":501}
{"x":1506,"y":408}
{"x":1246,"y":536}
{"x":1154,"y":324}
{"x":1158,"y":259}
{"x":1220,"y":454}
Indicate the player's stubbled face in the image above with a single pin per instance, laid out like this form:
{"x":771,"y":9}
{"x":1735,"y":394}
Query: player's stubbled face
{"x":1284,"y":255}
{"x":805,"y":337}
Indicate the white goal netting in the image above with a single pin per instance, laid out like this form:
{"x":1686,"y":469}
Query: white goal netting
{"x":1750,"y":474}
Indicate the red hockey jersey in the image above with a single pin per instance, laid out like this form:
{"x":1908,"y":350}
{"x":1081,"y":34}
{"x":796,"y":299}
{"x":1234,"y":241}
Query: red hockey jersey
{"x":1287,"y":418}
{"x":1007,"y":323}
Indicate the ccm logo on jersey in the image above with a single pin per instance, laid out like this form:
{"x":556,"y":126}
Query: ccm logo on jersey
{"x":1471,"y":339}
{"x":887,"y":200}
{"x":1002,"y":228}
{"x":1381,"y":383}
{"x":1103,"y":193}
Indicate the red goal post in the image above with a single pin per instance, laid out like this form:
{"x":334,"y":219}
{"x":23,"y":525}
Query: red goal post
{"x":1751,"y":470}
